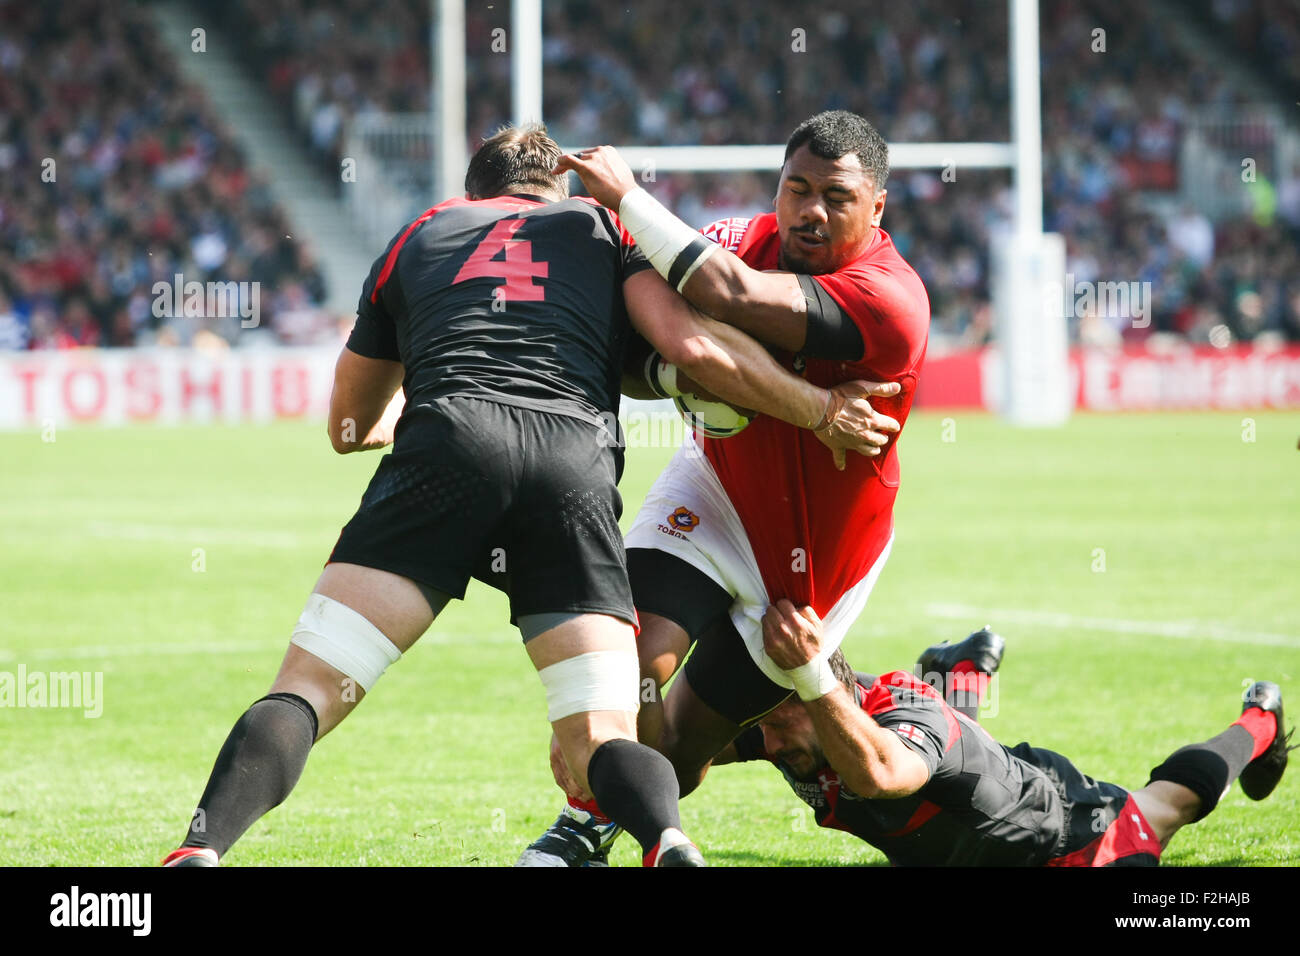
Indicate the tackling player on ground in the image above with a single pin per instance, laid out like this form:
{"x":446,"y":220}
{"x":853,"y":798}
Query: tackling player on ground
{"x":765,"y":513}
{"x":501,"y":315}
{"x":886,"y":759}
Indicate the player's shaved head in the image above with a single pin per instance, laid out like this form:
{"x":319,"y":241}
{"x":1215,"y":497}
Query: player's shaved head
{"x":516,"y":159}
{"x":837,"y":133}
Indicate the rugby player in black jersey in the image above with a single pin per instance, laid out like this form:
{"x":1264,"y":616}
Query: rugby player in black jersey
{"x":502,"y":317}
{"x":886,"y":759}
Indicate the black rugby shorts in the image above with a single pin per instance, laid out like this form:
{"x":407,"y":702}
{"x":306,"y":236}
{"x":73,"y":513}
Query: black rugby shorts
{"x":526,"y":501}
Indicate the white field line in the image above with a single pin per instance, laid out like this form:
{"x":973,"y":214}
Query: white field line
{"x":199,"y":536}
{"x":112,"y":651}
{"x":1186,"y":630}
{"x":134,"y":650}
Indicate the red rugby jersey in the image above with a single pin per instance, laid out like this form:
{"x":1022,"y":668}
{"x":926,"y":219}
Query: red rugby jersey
{"x":817,"y":531}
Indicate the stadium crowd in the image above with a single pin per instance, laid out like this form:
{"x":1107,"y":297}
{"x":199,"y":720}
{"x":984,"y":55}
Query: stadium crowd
{"x":1267,"y":32}
{"x":726,"y":72}
{"x":116,"y":175}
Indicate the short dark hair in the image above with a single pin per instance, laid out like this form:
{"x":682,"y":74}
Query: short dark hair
{"x":841,"y":669}
{"x":836,"y":133}
{"x":515,"y":157}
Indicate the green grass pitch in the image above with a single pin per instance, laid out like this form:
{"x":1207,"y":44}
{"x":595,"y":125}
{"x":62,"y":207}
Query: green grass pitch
{"x":1142,"y":568}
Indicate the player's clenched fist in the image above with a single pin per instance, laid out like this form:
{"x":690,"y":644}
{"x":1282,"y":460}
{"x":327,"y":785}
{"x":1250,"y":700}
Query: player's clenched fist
{"x":791,"y":636}
{"x":603,"y":171}
{"x":851,"y":424}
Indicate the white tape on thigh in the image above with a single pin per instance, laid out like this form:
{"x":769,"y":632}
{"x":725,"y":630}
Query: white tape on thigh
{"x":344,"y":639}
{"x":601,"y":680}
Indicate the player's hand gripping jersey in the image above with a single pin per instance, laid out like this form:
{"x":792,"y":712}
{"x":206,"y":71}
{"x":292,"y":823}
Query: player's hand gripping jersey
{"x":984,"y":805}
{"x":765,"y":514}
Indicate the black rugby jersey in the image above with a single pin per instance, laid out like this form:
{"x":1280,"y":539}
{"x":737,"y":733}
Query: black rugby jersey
{"x":513,"y":299}
{"x":984,"y":804}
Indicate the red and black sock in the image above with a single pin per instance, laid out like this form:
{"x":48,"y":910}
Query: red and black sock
{"x":1208,"y":769}
{"x":965,"y":687}
{"x":1262,"y":727}
{"x":258,"y":765}
{"x":591,"y":806}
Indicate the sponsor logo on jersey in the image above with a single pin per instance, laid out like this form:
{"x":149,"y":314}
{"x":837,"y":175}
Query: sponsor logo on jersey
{"x":664,"y":529}
{"x":683,"y":519}
{"x":727,"y":232}
{"x":810,"y":793}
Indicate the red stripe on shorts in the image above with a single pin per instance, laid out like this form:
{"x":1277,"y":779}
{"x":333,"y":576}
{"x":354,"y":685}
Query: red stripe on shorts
{"x":1128,"y":835}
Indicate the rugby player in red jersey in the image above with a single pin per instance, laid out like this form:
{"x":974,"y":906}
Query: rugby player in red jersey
{"x":886,"y":759}
{"x":765,"y":513}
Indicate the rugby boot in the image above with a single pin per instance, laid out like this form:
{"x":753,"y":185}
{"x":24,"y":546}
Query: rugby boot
{"x":1262,"y":774}
{"x":191,"y":856}
{"x":674,"y":849}
{"x":575,"y":838}
{"x":944,"y":667}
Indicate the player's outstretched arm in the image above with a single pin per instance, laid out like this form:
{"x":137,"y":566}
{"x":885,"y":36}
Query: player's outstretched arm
{"x":365,"y":403}
{"x":731,"y":365}
{"x":771,"y":306}
{"x":871,"y":760}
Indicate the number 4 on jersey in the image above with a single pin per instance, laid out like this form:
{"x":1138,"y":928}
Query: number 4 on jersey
{"x":517,"y":268}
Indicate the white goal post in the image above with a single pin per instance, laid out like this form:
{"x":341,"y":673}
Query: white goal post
{"x":1028,"y":265}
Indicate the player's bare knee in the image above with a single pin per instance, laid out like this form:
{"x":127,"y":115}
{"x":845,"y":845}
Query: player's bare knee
{"x":654,"y":675}
{"x":1167,"y":807}
{"x":660,"y":647}
{"x":1184,"y":805}
{"x":316,"y":682}
{"x":581,"y":735}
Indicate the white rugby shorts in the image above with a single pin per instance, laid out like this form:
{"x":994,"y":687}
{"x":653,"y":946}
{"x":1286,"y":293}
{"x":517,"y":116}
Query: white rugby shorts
{"x":687,"y":514}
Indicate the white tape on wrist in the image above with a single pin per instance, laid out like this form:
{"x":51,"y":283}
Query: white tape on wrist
{"x":814,"y":679}
{"x":673,"y":248}
{"x":661,"y":377}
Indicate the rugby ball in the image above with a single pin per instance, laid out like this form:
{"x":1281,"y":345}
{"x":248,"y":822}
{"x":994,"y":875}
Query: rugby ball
{"x":714,"y":419}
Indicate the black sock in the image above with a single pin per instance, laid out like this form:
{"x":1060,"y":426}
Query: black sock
{"x":635,"y":787}
{"x":258,"y":765}
{"x":1208,"y":769}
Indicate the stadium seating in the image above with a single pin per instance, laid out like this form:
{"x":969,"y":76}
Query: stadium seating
{"x":1265,"y":31}
{"x":145,"y":183}
{"x":740,"y":72}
